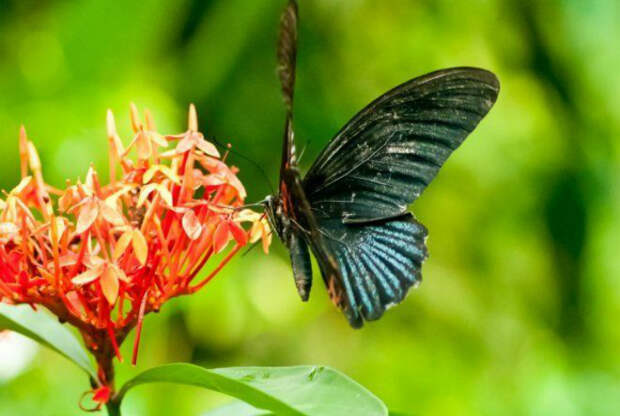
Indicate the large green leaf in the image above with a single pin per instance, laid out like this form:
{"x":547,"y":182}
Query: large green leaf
{"x":302,"y":390}
{"x":238,"y":408}
{"x":43,"y":328}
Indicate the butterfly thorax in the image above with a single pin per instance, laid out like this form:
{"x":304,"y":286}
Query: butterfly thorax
{"x":279,"y":223}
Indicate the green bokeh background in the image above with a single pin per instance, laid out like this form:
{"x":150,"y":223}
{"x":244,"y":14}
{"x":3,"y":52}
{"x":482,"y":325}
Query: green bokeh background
{"x":518,"y":312}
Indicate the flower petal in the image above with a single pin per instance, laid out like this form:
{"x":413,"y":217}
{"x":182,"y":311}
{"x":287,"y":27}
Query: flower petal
{"x":65,"y":201}
{"x":33,"y":157}
{"x":267,"y":237}
{"x":136,"y":124}
{"x":170,"y":154}
{"x":191,"y":225}
{"x":158,"y":139}
{"x":112,"y":200}
{"x":120,"y":274}
{"x":212,"y":180}
{"x":165,"y":195}
{"x":185,"y":144}
{"x":60,"y":228}
{"x":109,"y":285}
{"x":88,"y":276}
{"x":247,"y":215}
{"x":236,"y":183}
{"x":166,"y":170}
{"x":111,"y":215}
{"x":208,"y":148}
{"x":140,"y":247}
{"x":91,"y":261}
{"x":91,"y":179}
{"x":257,"y":231}
{"x":67,"y":260}
{"x":122,"y":244}
{"x":238,"y":233}
{"x":145,"y":192}
{"x":192,"y":119}
{"x":143,"y":146}
{"x":21,"y":186}
{"x":221,"y":237}
{"x":88,"y":215}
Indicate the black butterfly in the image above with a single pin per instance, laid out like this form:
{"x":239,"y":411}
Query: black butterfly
{"x":351,"y":208}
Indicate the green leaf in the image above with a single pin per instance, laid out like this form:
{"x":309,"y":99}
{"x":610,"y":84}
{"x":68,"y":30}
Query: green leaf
{"x":237,"y":408}
{"x":302,"y":390}
{"x":46,"y":330}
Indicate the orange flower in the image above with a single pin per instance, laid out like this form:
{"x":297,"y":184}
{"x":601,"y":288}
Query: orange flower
{"x":101,"y":256}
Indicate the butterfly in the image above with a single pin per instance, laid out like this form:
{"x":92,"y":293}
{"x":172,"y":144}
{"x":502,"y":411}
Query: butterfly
{"x":350,"y":209}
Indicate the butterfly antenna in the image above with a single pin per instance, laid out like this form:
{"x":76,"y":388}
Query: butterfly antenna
{"x":242,"y":156}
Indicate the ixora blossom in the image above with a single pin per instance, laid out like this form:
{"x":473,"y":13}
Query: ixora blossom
{"x":100,"y":257}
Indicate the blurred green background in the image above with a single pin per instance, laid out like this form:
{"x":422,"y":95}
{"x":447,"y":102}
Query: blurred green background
{"x":518,"y":313}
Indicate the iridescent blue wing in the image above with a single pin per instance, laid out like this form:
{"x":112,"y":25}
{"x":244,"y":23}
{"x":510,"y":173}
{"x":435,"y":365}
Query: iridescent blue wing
{"x":383,"y":159}
{"x":378,"y":263}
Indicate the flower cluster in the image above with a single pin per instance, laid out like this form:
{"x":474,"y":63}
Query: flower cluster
{"x":101,"y":256}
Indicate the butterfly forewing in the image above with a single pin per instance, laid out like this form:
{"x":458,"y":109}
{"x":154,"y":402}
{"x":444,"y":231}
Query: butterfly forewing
{"x":384,"y":158}
{"x":287,"y":53}
{"x":351,"y":207}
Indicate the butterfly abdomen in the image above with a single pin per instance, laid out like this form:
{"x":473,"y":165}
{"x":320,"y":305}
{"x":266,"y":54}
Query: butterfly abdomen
{"x":302,"y":268}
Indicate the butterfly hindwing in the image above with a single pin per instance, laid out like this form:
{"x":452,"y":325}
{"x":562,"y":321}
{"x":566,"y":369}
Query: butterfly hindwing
{"x":384,"y":158}
{"x":378,"y":262}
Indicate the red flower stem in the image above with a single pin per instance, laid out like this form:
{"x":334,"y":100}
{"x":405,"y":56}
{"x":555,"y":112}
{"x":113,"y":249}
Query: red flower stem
{"x":42,"y":251}
{"x":149,"y":213}
{"x":187,"y":190}
{"x":162,"y":240}
{"x":101,"y":241}
{"x":217,"y":269}
{"x":121,"y":302}
{"x":55,"y":250}
{"x":197,"y":269}
{"x":113,"y":340}
{"x":136,"y":344}
{"x":76,"y":267}
{"x":175,"y":195}
{"x":174,"y":260}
